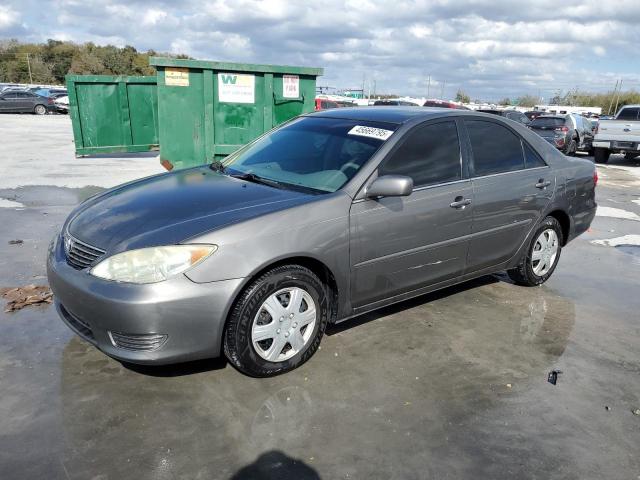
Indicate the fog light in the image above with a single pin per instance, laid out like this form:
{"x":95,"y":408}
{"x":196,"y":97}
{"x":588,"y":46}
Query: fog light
{"x":138,"y":343}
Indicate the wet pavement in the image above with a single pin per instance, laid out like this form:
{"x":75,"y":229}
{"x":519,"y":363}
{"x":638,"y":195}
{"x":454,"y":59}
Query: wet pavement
{"x":449,"y":385}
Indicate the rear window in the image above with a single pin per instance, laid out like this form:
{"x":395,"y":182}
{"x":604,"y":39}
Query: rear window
{"x":629,"y":114}
{"x":496,"y":149}
{"x":548,"y":122}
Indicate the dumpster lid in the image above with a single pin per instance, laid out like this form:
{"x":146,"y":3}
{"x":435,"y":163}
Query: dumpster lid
{"x":234,"y":67}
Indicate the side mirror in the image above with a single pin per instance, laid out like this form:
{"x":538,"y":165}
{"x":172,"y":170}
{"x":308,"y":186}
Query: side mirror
{"x":390,"y":186}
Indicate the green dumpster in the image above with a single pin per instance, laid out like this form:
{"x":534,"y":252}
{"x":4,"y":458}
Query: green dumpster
{"x":113,"y":113}
{"x":207,"y":110}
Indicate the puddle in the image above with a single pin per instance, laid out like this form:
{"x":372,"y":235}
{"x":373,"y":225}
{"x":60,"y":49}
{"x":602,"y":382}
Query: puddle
{"x":633,"y":250}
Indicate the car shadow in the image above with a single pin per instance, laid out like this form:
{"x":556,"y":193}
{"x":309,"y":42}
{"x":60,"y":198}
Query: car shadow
{"x":207,"y":365}
{"x":178,"y":369}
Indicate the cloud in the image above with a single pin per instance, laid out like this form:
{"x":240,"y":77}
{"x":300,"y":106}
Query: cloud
{"x":490,"y":48}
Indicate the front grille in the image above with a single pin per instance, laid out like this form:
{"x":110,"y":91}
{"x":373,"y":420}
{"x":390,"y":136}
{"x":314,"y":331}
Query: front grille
{"x":79,"y":254}
{"x":79,"y":326}
{"x":138,"y":343}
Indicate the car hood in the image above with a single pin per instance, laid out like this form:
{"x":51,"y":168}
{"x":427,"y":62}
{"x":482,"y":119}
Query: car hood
{"x":173,"y":207}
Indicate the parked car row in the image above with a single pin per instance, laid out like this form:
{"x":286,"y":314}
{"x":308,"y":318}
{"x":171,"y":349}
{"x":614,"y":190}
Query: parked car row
{"x":36,"y":100}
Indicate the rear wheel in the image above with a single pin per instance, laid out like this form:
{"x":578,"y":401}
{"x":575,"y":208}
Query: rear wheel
{"x":40,"y":110}
{"x":277,"y":323}
{"x":630,"y":155}
{"x":601,"y":155}
{"x":542,"y":255}
{"x":571,"y":148}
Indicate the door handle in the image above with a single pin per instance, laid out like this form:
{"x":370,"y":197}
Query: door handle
{"x":460,"y":203}
{"x":542,"y":183}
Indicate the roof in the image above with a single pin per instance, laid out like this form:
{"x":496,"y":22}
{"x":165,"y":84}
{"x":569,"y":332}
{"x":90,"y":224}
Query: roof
{"x":383,"y":114}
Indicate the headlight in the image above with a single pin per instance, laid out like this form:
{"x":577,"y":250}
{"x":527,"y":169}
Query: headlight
{"x":150,"y":265}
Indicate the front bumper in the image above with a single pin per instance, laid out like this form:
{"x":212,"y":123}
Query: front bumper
{"x":189,"y":317}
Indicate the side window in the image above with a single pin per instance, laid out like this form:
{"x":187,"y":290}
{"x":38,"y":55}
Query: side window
{"x":531,"y":157}
{"x":429,"y":155}
{"x":628,"y":114}
{"x":495,"y":148}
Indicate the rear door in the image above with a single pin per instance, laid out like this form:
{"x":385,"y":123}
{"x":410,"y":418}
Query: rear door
{"x":511,"y":187}
{"x":27,"y":101}
{"x":400,"y":244}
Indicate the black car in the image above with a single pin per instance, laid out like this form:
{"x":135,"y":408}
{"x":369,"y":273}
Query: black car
{"x":568,"y":133}
{"x":510,"y":114}
{"x":25,"y":102}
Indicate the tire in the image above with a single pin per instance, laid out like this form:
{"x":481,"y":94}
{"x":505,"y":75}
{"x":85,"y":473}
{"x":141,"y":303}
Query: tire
{"x":40,"y":110}
{"x":591,"y":152}
{"x":571,"y":148}
{"x":630,"y":155}
{"x":527,"y":272}
{"x":264,"y":358}
{"x":601,"y":155}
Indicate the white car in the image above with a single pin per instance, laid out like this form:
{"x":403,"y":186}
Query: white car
{"x":62,"y":104}
{"x":620,"y":135}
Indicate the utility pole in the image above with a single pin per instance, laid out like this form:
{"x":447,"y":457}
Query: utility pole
{"x":29,"y":67}
{"x":618,"y":99}
{"x":613,"y":95}
{"x":429,"y":87}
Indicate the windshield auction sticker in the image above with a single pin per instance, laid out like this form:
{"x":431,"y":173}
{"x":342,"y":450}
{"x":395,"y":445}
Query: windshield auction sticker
{"x":235,"y":88}
{"x":371,"y":132}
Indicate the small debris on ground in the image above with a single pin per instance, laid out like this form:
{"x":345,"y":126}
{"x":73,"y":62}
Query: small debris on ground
{"x":607,"y":408}
{"x":16,"y":242}
{"x":636,"y":411}
{"x":20,"y":297}
{"x":508,"y":385}
{"x":553,"y":376}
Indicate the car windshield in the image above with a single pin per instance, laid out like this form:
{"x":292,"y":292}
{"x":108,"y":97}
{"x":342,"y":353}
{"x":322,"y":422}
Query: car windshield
{"x":311,"y":153}
{"x":548,"y":122}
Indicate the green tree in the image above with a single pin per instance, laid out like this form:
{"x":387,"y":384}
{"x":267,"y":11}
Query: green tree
{"x":505,"y":101}
{"x":528,"y":101}
{"x":462,"y":97}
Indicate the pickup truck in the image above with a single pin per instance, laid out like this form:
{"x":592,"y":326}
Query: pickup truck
{"x":620,"y":135}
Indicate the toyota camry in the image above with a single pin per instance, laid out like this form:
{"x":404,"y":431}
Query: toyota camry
{"x":333,"y":214}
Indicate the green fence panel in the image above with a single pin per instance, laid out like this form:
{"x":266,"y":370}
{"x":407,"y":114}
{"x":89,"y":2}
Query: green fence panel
{"x":112,"y":114}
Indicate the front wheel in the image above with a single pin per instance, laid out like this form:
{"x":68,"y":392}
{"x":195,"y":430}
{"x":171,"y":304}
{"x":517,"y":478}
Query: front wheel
{"x":277,"y":322}
{"x":542,"y":255}
{"x":40,"y":110}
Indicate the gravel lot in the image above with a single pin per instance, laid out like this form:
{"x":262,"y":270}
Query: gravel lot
{"x":449,"y":385}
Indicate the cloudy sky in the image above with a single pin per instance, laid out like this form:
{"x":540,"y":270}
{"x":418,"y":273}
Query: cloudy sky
{"x":489,"y":48}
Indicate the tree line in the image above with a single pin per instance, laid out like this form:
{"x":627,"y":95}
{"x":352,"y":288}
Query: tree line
{"x":48,"y":63}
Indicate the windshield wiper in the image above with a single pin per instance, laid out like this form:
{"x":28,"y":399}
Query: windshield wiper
{"x":217,"y":166}
{"x":252,"y":177}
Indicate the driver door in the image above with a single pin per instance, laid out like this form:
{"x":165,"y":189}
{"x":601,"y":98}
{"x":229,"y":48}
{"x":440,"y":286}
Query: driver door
{"x":400,"y":244}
